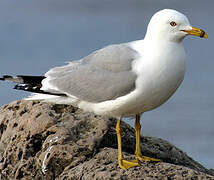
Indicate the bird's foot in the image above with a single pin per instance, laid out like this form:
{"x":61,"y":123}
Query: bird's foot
{"x":146,"y":159}
{"x":126,"y":164}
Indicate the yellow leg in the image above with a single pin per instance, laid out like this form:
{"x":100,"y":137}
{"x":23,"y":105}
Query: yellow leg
{"x":124,"y":164}
{"x":138,"y":153}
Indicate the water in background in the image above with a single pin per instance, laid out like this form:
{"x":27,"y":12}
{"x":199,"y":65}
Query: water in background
{"x":38,"y":35}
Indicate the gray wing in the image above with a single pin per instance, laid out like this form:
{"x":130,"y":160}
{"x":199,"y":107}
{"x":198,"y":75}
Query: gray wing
{"x":103,"y":75}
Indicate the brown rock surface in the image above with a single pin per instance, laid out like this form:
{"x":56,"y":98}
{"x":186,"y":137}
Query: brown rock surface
{"x":47,"y":141}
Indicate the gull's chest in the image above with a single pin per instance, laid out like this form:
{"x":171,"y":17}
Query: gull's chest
{"x":159,"y":75}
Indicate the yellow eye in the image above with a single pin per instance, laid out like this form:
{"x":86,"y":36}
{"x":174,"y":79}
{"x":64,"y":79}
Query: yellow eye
{"x":173,"y":23}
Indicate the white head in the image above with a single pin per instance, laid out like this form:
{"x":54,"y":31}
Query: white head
{"x":171,"y":25}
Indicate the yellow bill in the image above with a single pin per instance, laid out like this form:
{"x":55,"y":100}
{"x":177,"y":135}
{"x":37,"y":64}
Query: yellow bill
{"x":196,"y":32}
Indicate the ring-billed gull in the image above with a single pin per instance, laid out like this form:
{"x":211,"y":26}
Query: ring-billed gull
{"x":123,"y":79}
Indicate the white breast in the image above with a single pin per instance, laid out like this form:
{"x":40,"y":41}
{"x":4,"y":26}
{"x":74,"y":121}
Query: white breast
{"x":160,"y":71}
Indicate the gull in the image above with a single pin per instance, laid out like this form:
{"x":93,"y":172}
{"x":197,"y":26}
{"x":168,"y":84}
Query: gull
{"x":121,"y":80}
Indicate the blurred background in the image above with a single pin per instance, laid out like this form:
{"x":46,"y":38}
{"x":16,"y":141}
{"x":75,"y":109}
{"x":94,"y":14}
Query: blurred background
{"x":38,"y":35}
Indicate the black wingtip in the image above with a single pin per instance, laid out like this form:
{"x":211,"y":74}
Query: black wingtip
{"x":7,"y":76}
{"x":35,"y":89}
{"x":4,"y":77}
{"x":29,"y":83}
{"x":31,"y":79}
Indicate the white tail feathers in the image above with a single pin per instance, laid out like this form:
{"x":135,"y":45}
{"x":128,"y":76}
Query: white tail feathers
{"x":52,"y":99}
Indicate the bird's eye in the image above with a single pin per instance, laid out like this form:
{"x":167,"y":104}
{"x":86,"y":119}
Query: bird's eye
{"x":173,"y":23}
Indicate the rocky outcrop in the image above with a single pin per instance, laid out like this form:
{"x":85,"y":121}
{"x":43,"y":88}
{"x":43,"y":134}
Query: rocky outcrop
{"x":48,"y":141}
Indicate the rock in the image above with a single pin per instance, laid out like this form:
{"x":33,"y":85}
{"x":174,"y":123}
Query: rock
{"x":47,"y":141}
